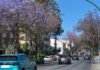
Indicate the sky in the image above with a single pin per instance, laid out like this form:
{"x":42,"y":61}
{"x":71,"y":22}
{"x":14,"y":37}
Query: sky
{"x":73,"y":11}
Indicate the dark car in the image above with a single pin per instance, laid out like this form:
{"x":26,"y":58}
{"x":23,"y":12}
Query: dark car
{"x":75,"y":57}
{"x":87,"y":57}
{"x":64,"y":59}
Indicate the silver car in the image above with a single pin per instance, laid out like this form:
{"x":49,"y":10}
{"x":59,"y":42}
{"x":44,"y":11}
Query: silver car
{"x":16,"y":62}
{"x":64,"y":59}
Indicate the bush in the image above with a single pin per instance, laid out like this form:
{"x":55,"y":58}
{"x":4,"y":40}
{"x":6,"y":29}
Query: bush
{"x":2,"y":51}
{"x":40,"y":59}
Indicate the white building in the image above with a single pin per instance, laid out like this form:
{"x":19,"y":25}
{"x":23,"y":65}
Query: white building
{"x":61,"y":44}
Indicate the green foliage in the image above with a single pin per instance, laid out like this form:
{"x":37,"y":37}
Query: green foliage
{"x":35,"y":26}
{"x":59,"y":30}
{"x":32,"y":55}
{"x":2,"y":51}
{"x":40,"y":59}
{"x":42,"y":1}
{"x":49,"y":52}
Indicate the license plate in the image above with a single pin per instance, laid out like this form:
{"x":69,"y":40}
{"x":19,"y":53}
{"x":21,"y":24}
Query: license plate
{"x":5,"y":66}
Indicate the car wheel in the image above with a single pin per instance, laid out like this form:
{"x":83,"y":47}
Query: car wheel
{"x":35,"y":68}
{"x":59,"y":63}
{"x":69,"y":62}
{"x":77,"y":58}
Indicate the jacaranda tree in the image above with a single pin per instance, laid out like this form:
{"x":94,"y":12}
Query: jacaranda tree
{"x":28,"y":16}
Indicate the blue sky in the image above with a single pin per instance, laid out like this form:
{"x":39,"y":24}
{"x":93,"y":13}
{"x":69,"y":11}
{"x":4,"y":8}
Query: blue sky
{"x":73,"y":11}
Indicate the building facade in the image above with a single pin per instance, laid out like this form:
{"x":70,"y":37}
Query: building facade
{"x":63,"y":45}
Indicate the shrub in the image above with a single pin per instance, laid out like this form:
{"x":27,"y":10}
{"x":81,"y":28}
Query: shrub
{"x":40,"y":59}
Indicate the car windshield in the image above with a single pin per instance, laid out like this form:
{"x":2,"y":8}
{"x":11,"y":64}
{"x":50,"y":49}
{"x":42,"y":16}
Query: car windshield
{"x":8,"y":58}
{"x":63,"y":55}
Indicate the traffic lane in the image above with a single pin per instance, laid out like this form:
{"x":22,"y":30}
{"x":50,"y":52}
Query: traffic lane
{"x":85,"y":65}
{"x":76,"y":65}
{"x":55,"y":66}
{"x":49,"y":66}
{"x":80,"y":65}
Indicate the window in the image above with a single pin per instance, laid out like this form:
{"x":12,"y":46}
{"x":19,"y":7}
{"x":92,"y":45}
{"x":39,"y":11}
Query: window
{"x":25,"y":58}
{"x":8,"y":58}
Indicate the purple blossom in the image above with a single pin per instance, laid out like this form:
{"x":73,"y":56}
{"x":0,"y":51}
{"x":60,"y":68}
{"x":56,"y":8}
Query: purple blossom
{"x":26,"y":12}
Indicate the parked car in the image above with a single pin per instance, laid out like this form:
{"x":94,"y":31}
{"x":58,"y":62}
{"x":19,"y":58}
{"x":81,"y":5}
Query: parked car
{"x":75,"y":57}
{"x":16,"y":62}
{"x":47,"y":59}
{"x":64,"y":59}
{"x":50,"y":59}
{"x":87,"y":57}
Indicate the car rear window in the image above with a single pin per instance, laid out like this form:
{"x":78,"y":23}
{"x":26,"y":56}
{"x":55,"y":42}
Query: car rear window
{"x":63,"y":55}
{"x":8,"y":58}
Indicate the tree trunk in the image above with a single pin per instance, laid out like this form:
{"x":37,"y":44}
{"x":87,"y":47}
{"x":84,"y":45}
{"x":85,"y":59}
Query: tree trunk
{"x":36,"y":46}
{"x":55,"y":51}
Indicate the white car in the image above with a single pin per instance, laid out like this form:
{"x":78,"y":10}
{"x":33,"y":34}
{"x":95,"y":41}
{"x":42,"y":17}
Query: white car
{"x":50,"y":59}
{"x":64,"y":59}
{"x":47,"y":59}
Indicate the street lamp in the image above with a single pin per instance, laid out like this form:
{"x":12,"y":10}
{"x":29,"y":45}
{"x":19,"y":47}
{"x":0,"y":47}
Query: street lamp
{"x":93,"y":4}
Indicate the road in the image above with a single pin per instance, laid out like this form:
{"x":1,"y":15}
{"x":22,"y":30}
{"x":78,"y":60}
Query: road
{"x":76,"y":65}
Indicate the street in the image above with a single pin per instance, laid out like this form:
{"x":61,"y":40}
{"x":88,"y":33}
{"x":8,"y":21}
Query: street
{"x":49,"y":35}
{"x":76,"y":65}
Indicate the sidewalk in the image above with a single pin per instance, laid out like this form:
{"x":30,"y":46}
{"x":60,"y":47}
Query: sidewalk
{"x":95,"y":66}
{"x":96,"y":60}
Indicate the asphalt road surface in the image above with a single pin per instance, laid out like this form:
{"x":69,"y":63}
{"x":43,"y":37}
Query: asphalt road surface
{"x":76,"y":65}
